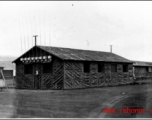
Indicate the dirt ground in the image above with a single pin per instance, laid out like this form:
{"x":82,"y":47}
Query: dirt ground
{"x":81,"y":103}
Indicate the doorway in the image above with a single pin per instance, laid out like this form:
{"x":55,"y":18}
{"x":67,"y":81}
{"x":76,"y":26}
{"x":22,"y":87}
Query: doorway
{"x":37,"y":76}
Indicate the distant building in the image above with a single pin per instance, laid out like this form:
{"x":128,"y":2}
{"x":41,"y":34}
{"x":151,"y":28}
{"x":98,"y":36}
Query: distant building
{"x":8,"y":68}
{"x":1,"y":69}
{"x":142,"y":70}
{"x":44,"y":67}
{"x":8,"y":73}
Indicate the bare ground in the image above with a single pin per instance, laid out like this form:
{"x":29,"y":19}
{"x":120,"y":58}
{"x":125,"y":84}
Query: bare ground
{"x":81,"y":103}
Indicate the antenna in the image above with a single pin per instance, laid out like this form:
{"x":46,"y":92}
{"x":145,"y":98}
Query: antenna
{"x":111,"y":48}
{"x":35,"y":39}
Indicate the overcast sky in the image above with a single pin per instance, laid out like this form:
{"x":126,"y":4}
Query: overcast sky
{"x":93,"y":25}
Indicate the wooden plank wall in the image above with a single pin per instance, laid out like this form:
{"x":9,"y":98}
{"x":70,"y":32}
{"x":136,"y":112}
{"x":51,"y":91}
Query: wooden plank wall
{"x":54,"y":80}
{"x":57,"y":77}
{"x":48,"y":80}
{"x":23,"y":81}
{"x":74,"y":77}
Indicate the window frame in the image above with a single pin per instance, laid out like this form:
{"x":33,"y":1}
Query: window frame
{"x":149,"y":69}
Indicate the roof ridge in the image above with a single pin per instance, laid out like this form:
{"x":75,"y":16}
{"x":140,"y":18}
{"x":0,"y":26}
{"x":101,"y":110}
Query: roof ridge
{"x":80,"y":54}
{"x":74,"y":49}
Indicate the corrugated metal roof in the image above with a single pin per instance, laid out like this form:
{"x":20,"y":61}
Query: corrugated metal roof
{"x":142,"y":63}
{"x":84,"y":55}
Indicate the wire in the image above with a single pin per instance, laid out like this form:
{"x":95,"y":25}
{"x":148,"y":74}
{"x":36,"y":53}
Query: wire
{"x":40,"y":32}
{"x":24,"y":33}
{"x":20,"y":35}
{"x":35,"y":25}
{"x":32,"y":34}
{"x":27,"y":34}
{"x":35,"y":38}
{"x":44,"y":29}
{"x":31,"y":28}
{"x":49,"y":31}
{"x":40,"y":27}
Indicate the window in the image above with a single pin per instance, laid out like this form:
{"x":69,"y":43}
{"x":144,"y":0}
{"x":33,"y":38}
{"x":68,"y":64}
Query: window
{"x":149,"y":69}
{"x":113,"y":68}
{"x":48,"y":67}
{"x":86,"y":67}
{"x":100,"y":67}
{"x":28,"y":69}
{"x":125,"y":68}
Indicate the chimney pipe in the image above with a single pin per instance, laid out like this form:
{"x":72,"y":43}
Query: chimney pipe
{"x":111,"y":48}
{"x":35,"y":39}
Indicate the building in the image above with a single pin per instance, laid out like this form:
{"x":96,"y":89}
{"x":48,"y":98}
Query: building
{"x":45,"y":67}
{"x":1,"y":72}
{"x":142,"y":70}
{"x":8,"y":74}
{"x":8,"y":68}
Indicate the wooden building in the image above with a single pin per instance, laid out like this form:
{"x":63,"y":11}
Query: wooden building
{"x":142,"y":70}
{"x":45,"y":67}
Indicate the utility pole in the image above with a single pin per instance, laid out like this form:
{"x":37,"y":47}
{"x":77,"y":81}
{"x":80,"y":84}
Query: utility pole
{"x":35,"y":39}
{"x":111,"y":48}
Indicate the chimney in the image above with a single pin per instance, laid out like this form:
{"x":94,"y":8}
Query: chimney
{"x":35,"y":39}
{"x":111,"y":48}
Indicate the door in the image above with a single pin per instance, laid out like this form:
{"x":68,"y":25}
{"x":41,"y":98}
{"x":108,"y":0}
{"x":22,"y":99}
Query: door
{"x":37,"y":76}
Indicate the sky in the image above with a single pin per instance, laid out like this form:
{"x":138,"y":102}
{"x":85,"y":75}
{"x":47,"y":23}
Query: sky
{"x":89,"y":25}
